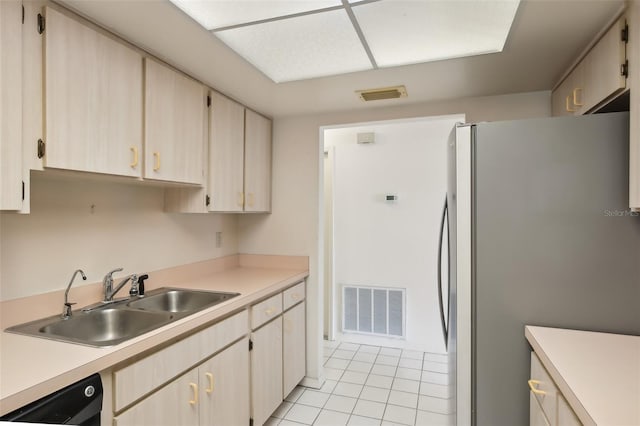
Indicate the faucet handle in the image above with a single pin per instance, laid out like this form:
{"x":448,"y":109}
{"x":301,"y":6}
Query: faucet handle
{"x":110,"y":273}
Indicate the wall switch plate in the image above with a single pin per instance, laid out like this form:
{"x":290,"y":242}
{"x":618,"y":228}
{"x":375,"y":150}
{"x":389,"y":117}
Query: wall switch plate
{"x":218,"y":239}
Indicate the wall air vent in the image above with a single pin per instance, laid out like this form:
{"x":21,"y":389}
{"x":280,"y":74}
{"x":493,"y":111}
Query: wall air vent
{"x":382,"y":93}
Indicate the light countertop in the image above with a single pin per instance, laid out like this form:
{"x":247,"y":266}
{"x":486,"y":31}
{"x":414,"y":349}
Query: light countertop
{"x":32,"y":367}
{"x":597,"y":373}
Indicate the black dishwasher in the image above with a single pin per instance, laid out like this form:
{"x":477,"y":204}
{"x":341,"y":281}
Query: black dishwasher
{"x":77,"y":404}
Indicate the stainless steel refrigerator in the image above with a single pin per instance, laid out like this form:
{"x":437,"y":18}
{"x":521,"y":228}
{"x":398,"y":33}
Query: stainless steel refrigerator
{"x":539,"y":232}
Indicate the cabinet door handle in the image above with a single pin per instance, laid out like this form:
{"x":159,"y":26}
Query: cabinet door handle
{"x":567,"y":100}
{"x":240,"y":199}
{"x":210,"y":377}
{"x":575,"y":96}
{"x":134,"y":162}
{"x":156,"y":165}
{"x":194,"y":388}
{"x":251,"y":199}
{"x":532,"y":386}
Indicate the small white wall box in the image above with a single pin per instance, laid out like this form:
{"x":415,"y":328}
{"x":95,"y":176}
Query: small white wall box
{"x":390,"y":198}
{"x":368,"y":137}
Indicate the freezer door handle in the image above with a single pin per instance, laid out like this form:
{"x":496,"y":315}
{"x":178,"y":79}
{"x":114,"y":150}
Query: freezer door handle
{"x":445,"y":332}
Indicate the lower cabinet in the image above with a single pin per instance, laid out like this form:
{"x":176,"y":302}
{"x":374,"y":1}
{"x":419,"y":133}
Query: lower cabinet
{"x":536,"y":415}
{"x":266,"y":371}
{"x":547,"y":406}
{"x":215,"y":393}
{"x":294,"y":345}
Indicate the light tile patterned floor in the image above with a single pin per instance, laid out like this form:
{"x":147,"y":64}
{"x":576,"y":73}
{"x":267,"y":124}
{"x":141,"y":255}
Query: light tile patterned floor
{"x":372,"y":385}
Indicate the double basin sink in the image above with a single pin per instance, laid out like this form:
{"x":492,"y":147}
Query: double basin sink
{"x":122,"y":320}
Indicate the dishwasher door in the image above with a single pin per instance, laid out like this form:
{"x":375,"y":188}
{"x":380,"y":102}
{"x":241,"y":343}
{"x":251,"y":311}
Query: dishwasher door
{"x":77,"y":404}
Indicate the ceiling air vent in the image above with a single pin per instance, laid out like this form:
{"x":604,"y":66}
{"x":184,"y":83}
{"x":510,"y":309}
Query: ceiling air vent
{"x":382,"y":93}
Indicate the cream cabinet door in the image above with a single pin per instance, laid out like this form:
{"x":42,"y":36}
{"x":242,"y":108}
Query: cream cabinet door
{"x":93,"y":100}
{"x":536,"y":415}
{"x":294,"y":347}
{"x":177,"y":403}
{"x":257,"y":163}
{"x":226,"y":154}
{"x":602,"y":67}
{"x":174,"y":131}
{"x":266,"y":371}
{"x":11,"y":105}
{"x":224,"y":386}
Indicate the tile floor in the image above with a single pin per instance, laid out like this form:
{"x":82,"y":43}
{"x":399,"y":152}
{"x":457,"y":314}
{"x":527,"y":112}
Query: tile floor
{"x":372,"y":385}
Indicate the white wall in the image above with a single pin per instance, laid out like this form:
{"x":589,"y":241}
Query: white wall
{"x":126,"y":227}
{"x":392,"y":244}
{"x":294,"y":227}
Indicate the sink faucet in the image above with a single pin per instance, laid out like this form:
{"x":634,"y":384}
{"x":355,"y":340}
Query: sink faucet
{"x":107,"y":284}
{"x":66,"y":310}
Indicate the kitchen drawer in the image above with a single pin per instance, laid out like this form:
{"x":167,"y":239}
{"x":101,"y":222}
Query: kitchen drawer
{"x":293,"y":295}
{"x":142,"y":377}
{"x":566,"y":416}
{"x":546,"y":391}
{"x":266,"y":310}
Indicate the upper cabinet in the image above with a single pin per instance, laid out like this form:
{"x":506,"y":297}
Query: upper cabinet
{"x":174,"y":125}
{"x":239,"y":158}
{"x":226,"y":154}
{"x":93,"y":100}
{"x":11,"y":186}
{"x":597,"y":78}
{"x":257,"y":163}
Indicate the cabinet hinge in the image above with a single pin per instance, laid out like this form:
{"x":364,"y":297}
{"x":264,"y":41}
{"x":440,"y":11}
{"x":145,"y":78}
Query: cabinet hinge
{"x":207,"y":200}
{"x":624,"y":69}
{"x":23,"y":14}
{"x":250,"y":422}
{"x":42,"y":148}
{"x":624,"y":34}
{"x":208,"y":101}
{"x":22,"y":190}
{"x":250,"y":345}
{"x":41,"y":23}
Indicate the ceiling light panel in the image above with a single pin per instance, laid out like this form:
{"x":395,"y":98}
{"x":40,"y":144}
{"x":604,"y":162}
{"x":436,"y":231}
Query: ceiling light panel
{"x":302,"y":47}
{"x":401,"y":32}
{"x":213,"y":14}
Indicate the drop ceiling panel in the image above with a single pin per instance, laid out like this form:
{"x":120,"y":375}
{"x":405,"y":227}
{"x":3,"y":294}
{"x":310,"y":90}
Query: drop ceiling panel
{"x":401,"y":32}
{"x":213,"y":14}
{"x":302,"y":47}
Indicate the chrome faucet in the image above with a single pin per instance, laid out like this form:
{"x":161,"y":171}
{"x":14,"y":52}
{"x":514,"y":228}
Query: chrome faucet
{"x":66,"y":309}
{"x":107,"y":284}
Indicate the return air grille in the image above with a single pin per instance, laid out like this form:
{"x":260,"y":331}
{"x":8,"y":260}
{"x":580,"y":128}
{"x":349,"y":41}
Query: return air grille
{"x":383,"y":93}
{"x":374,"y":310}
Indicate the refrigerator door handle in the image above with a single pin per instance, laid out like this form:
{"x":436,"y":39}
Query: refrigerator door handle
{"x":445,"y":332}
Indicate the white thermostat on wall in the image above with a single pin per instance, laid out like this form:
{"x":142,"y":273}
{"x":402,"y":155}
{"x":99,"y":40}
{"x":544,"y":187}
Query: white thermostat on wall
{"x":390,"y":198}
{"x":368,"y":137}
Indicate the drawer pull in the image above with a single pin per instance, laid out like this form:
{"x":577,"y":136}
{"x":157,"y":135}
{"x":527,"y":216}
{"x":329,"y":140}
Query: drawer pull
{"x":156,"y":166}
{"x":194,"y":388}
{"x":532,"y":386}
{"x":269,"y":311}
{"x":210,"y":377}
{"x":575,"y":96}
{"x":134,"y":162}
{"x":295,"y":296}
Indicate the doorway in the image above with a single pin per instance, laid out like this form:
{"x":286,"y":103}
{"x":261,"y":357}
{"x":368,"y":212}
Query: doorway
{"x":384,"y":187}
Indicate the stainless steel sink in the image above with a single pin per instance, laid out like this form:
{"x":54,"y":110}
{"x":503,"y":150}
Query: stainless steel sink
{"x":101,"y":327}
{"x":179,"y":300}
{"x":122,"y":320}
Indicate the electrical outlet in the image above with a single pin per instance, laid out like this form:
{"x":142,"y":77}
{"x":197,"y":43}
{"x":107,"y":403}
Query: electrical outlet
{"x":218,"y":239}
